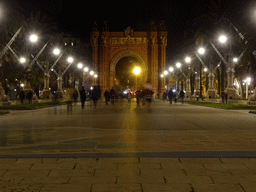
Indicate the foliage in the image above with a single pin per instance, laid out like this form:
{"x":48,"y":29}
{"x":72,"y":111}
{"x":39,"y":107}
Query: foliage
{"x":222,"y":105}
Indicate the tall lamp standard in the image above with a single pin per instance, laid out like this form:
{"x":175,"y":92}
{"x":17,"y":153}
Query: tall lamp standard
{"x":136,"y":71}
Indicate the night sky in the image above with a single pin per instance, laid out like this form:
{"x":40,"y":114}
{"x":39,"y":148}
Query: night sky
{"x":76,"y":17}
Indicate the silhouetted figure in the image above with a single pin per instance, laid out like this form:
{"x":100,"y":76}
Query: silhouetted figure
{"x":22,"y":96}
{"x":82,"y":96}
{"x":107,"y":96}
{"x":170,"y":95}
{"x":29,"y":96}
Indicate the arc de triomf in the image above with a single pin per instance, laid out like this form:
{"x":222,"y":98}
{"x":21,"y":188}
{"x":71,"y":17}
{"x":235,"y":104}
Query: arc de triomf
{"x":148,"y":47}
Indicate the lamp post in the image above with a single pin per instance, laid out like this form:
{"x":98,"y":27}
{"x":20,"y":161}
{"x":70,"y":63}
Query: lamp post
{"x":136,"y":71}
{"x":247,"y":81}
{"x":188,"y":86}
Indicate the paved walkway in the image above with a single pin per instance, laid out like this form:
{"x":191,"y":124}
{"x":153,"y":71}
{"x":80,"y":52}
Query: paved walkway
{"x":179,"y":148}
{"x":128,"y":174}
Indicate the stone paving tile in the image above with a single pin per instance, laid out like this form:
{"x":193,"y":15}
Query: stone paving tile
{"x":116,"y":188}
{"x":66,"y":188}
{"x":53,"y":166}
{"x":153,"y":179}
{"x":93,"y":180}
{"x":21,"y":188}
{"x":43,"y":180}
{"x":73,"y":172}
{"x":166,"y":188}
{"x":159,"y":160}
{"x":8,"y":161}
{"x":218,"y":188}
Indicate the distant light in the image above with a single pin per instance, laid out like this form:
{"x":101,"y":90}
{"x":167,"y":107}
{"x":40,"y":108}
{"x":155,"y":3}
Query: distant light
{"x":79,"y":65}
{"x":92,"y":73}
{"x":171,"y":69}
{"x":165,"y":72}
{"x":22,"y":85}
{"x":178,"y":65}
{"x":70,"y":59}
{"x":136,"y":70}
{"x":188,"y":59}
{"x":223,"y":39}
{"x":56,"y":51}
{"x":33,"y":38}
{"x":86,"y":69}
{"x":235,"y":60}
{"x":22,"y":60}
{"x":95,"y":76}
{"x":205,"y":69}
{"x":201,"y":51}
{"x":174,"y":90}
{"x":162,"y":75}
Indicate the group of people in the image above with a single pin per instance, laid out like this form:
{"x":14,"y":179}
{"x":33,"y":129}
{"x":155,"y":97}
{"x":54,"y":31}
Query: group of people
{"x":28,"y":96}
{"x":173,"y":95}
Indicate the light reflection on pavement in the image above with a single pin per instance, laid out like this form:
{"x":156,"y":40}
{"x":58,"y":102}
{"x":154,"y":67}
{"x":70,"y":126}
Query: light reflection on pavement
{"x":127,"y":128}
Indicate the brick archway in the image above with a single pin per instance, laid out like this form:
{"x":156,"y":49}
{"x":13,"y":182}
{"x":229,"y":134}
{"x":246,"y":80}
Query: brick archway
{"x":126,"y":53}
{"x":148,"y":47}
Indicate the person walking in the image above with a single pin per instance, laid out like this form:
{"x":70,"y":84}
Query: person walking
{"x":149,"y":94}
{"x":22,"y":96}
{"x":69,"y":97}
{"x":182,"y":94}
{"x":82,"y":96}
{"x":170,"y":95}
{"x":112,"y":95}
{"x":129,"y":97}
{"x":29,"y":96}
{"x":95,"y":96}
{"x":138,"y":97}
{"x":106,"y":95}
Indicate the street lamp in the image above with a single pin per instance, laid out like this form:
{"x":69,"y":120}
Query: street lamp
{"x":86,"y":69}
{"x":33,"y":38}
{"x":188,"y":60}
{"x":70,"y":59}
{"x":79,"y":65}
{"x":171,"y":69}
{"x":201,"y":51}
{"x":22,"y":60}
{"x":247,"y":81}
{"x":223,"y":39}
{"x":56,"y":51}
{"x":178,"y":65}
{"x":136,"y":72}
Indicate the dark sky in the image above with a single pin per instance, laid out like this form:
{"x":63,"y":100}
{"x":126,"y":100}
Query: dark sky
{"x":76,"y":17}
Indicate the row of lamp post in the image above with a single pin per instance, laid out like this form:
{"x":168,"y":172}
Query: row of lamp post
{"x":211,"y":91}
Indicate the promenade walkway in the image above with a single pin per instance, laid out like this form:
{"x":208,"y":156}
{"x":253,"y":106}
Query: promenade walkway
{"x":179,"y":148}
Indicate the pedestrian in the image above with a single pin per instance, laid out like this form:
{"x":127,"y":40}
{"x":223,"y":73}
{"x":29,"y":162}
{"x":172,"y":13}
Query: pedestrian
{"x":82,"y":96}
{"x":182,"y":94}
{"x":69,"y":97}
{"x":55,"y":101}
{"x":149,"y":94}
{"x":22,"y":96}
{"x":95,"y":96}
{"x":170,"y":95}
{"x":75,"y":95}
{"x":226,"y":97}
{"x":143,"y":96}
{"x":138,"y":97}
{"x":112,"y":95}
{"x":107,"y":96}
{"x":129,"y":97}
{"x":29,"y":96}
